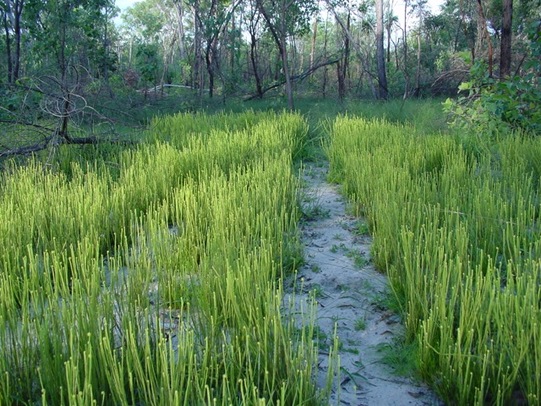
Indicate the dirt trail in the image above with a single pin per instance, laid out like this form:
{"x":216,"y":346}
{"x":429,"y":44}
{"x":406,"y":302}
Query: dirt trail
{"x":349,"y":291}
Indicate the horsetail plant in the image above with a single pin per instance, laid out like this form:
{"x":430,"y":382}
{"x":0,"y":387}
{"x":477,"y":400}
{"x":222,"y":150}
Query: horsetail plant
{"x":455,"y":224}
{"x":160,"y":283}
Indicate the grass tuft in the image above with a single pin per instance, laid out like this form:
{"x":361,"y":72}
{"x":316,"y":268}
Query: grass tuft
{"x":158,"y":280}
{"x":454,"y":223}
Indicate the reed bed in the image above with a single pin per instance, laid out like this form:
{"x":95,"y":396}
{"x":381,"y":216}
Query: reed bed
{"x":161,"y":283}
{"x":456,"y":224}
{"x":181,"y":128}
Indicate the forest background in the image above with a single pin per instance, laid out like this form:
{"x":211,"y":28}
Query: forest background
{"x":77,"y":71}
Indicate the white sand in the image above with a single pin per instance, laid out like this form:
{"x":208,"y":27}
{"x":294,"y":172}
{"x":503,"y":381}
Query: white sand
{"x":346,"y":294}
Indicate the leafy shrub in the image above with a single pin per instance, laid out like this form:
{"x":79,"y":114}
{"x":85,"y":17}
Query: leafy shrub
{"x":495,"y":106}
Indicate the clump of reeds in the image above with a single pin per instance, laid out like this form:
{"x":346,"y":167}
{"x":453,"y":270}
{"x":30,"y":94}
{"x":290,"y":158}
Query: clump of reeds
{"x":160,"y":284}
{"x":456,"y":226}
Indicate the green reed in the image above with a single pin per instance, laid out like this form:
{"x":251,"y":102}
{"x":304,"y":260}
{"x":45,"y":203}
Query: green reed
{"x":455,"y":224}
{"x":161,"y":284}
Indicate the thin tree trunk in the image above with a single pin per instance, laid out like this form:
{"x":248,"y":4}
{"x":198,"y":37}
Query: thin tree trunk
{"x":279,"y":35}
{"x":483,"y":33}
{"x":418,"y":70}
{"x":313,"y":43}
{"x":380,"y":52}
{"x":343,"y":64}
{"x":209,"y":57}
{"x":505,"y":45}
{"x":300,"y":52}
{"x":463,"y":23}
{"x":253,"y":60}
{"x":294,"y":78}
{"x":405,"y":39}
{"x":363,"y":58}
{"x":232,"y":46}
{"x":252,"y":30}
{"x":62,"y":64}
{"x":19,"y":5}
{"x":210,"y":67}
{"x":287,"y":75}
{"x":196,"y":73}
{"x":180,"y":15}
{"x":396,"y":47}
{"x":12,"y":27}
{"x":8,"y":47}
{"x":130,"y":57}
{"x":180,"y":26}
{"x":325,"y":70}
{"x":216,"y":69}
{"x":105,"y":65}
{"x":277,"y":66}
{"x":388,"y":28}
{"x":347,"y":53}
{"x":293,"y":55}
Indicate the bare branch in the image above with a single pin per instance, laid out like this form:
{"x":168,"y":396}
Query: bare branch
{"x":299,"y":77}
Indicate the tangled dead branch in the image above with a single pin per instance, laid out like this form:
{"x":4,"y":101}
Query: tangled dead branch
{"x":41,"y":114}
{"x":295,"y":78}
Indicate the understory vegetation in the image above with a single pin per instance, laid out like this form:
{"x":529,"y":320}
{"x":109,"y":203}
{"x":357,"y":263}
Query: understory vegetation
{"x":152,"y":272}
{"x":154,"y":276}
{"x":455,"y":221}
{"x":150,"y":195}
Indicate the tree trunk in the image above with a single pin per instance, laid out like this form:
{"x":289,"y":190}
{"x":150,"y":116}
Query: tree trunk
{"x":253,"y":23}
{"x":505,"y":45}
{"x":210,"y":39}
{"x":299,"y":77}
{"x":180,"y":15}
{"x":63,"y":67}
{"x":396,"y":53}
{"x":313,"y":43}
{"x":216,"y":69}
{"x":19,"y":5}
{"x":12,"y":29}
{"x":210,"y":70}
{"x":418,"y":70}
{"x":483,"y":33}
{"x":343,"y":64}
{"x":8,"y":47}
{"x":253,"y":60}
{"x":287,"y":74}
{"x":181,"y":40}
{"x":279,"y":34}
{"x":196,"y":73}
{"x":325,"y":70}
{"x":300,"y":55}
{"x":211,"y":63}
{"x":105,"y":44}
{"x":380,"y":52}
{"x":405,"y":39}
{"x":232,"y":45}
{"x":388,"y":28}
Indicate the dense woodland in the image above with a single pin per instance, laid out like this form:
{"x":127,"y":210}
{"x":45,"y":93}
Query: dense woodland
{"x":71,"y":65}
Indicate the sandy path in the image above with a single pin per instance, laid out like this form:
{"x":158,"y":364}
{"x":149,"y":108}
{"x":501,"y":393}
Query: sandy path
{"x":348,"y":290}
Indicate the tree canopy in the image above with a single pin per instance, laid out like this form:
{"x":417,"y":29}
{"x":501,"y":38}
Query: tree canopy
{"x":60,"y":60}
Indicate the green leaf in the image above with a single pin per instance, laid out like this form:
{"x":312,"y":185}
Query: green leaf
{"x":465,"y":86}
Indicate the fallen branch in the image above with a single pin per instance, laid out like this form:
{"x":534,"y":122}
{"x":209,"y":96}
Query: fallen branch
{"x":456,"y":75}
{"x":24,"y":123}
{"x":55,"y":140}
{"x":299,"y":77}
{"x":26,"y":150}
{"x":157,"y":88}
